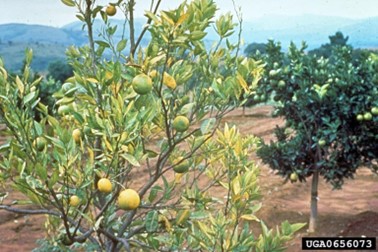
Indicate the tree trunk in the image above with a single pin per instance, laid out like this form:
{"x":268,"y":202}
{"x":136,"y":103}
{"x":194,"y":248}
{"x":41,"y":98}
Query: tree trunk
{"x":314,"y":202}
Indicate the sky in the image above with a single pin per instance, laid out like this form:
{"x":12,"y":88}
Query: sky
{"x":55,"y":13}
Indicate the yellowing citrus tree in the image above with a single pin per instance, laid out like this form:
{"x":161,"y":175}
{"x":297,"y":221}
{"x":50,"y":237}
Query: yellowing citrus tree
{"x":129,"y":159}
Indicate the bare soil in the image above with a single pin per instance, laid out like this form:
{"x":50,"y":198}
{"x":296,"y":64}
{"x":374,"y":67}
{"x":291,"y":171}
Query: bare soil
{"x":350,"y":212}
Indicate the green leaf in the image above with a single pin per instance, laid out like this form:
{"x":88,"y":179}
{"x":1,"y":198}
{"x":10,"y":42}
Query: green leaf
{"x":154,"y":192}
{"x":56,"y":142}
{"x":4,"y":147}
{"x":187,"y":108}
{"x":152,"y":221}
{"x":42,"y":108}
{"x":207,"y":125}
{"x":102,"y":43}
{"x":80,"y":17}
{"x":121,"y":45}
{"x":38,"y":128}
{"x":52,"y":121}
{"x":65,"y":100}
{"x":41,"y":171}
{"x":29,"y":56}
{"x":29,"y":97}
{"x":78,"y":117}
{"x":131,"y":159}
{"x":69,"y":3}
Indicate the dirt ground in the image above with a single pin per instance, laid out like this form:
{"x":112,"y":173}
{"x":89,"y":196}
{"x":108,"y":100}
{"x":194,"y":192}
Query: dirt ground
{"x":350,"y":212}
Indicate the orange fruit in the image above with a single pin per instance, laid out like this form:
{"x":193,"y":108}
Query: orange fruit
{"x":111,"y":10}
{"x":104,"y":185}
{"x":128,"y":199}
{"x":74,"y":201}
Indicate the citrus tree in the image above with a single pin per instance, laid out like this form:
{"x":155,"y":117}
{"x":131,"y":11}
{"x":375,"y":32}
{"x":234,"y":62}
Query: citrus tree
{"x":330,"y":114}
{"x":131,"y":155}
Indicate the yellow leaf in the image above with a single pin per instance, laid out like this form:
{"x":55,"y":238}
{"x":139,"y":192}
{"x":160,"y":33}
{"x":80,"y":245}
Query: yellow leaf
{"x":236,"y":186}
{"x":178,"y":177}
{"x":182,"y":19}
{"x":226,"y":132}
{"x":242,"y":82}
{"x":108,"y":145}
{"x":166,"y":223}
{"x":71,"y":79}
{"x":250,"y":217}
{"x":20,"y":85}
{"x":91,"y":156}
{"x":182,"y":216}
{"x":167,"y":18}
{"x":205,"y":230}
{"x":169,"y":81}
{"x":238,"y":147}
{"x":108,"y":75}
{"x":4,"y":72}
{"x":93,"y":80}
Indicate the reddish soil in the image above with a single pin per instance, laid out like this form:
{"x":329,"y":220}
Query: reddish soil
{"x":352,"y":211}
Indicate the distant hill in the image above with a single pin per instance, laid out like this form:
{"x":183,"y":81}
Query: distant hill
{"x":49,"y":43}
{"x":24,"y":33}
{"x":312,"y":29}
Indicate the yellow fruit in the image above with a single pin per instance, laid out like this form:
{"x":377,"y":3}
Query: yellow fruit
{"x":128,"y":199}
{"x":111,"y":10}
{"x":181,"y":167}
{"x":294,"y":177}
{"x":74,"y":201}
{"x":181,"y":123}
{"x":104,"y":185}
{"x":39,"y":143}
{"x":76,"y":135}
{"x":142,"y":84}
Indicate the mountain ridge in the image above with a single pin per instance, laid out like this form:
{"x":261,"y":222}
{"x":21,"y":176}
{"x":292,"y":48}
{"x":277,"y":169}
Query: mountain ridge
{"x":51,"y":42}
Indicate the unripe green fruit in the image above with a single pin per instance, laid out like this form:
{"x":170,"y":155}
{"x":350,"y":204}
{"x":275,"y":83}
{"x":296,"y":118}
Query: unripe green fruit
{"x":142,"y":84}
{"x":39,"y":143}
{"x":181,"y":123}
{"x":368,"y":116}
{"x":181,"y":167}
{"x":321,"y":142}
{"x":281,"y":84}
{"x":374,"y":110}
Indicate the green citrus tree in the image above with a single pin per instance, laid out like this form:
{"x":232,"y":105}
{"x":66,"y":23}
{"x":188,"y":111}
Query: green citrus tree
{"x":330,"y":114}
{"x":130,"y":156}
